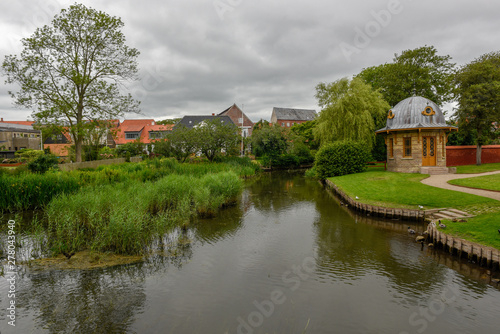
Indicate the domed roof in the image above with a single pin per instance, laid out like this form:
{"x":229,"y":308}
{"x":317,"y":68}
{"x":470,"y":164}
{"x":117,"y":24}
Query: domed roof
{"x":414,"y":113}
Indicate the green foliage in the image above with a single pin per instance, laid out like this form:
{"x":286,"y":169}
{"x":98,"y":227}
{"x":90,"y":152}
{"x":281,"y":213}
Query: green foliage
{"x":286,"y":160}
{"x":213,"y":136}
{"x":270,"y":141}
{"x":72,"y":70}
{"x":43,"y":163}
{"x":168,"y":121}
{"x":106,"y":153}
{"x":125,"y":219}
{"x":306,"y":131}
{"x":351,"y":111}
{"x":419,"y":72}
{"x":302,"y":152}
{"x":28,"y":155}
{"x":340,"y":158}
{"x":478,"y":97}
{"x":131,"y":149}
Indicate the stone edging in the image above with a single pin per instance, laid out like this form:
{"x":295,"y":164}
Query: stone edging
{"x":404,"y":214}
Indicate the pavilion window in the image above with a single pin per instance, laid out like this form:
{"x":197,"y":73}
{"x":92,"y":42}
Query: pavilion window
{"x":407,"y":146}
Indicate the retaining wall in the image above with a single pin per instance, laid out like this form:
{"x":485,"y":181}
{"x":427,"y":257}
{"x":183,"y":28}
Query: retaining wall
{"x":466,"y":155}
{"x":482,"y":255}
{"x":377,"y":211}
{"x":96,"y":163}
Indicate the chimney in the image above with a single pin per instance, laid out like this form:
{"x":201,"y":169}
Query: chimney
{"x":213,"y":114}
{"x":1,"y":120}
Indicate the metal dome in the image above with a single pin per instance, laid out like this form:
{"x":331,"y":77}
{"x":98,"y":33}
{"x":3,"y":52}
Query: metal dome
{"x":415,"y":113}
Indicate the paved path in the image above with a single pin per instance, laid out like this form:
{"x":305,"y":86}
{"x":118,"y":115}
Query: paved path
{"x":441,"y":181}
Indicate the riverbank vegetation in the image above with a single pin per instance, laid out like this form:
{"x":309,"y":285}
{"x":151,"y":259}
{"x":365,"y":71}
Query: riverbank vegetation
{"x":29,"y":191}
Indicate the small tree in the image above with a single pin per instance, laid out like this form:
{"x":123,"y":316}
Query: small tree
{"x":43,"y":163}
{"x":269,"y":141}
{"x":180,"y":143}
{"x":214,"y":136}
{"x":478,"y":97}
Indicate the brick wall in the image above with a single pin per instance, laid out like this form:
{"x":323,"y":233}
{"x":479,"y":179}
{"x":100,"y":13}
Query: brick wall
{"x":466,"y":155}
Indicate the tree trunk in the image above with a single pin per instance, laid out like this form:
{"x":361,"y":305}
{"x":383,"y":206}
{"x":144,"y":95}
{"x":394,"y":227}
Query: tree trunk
{"x":478,"y":154}
{"x":78,"y":150}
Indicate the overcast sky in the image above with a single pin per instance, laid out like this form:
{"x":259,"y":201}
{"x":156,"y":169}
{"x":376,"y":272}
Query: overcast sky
{"x":201,"y":56}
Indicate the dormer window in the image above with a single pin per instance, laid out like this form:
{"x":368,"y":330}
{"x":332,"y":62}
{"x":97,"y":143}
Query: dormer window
{"x":428,"y":111}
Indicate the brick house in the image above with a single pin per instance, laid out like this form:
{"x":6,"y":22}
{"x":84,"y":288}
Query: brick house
{"x":146,"y":130}
{"x":239,"y":119}
{"x":287,"y":117}
{"x":416,"y":134}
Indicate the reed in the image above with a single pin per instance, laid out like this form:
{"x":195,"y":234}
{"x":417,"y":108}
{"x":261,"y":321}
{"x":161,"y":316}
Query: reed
{"x":125,"y":218}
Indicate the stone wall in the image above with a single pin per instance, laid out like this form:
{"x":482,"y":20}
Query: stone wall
{"x":96,"y":163}
{"x":399,"y":163}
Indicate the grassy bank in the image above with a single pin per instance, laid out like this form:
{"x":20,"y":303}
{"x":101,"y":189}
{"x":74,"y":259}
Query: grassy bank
{"x":27,"y":191}
{"x":400,"y":190}
{"x":482,"y":229}
{"x":488,"y":182}
{"x":474,"y":169}
{"x":124,"y":218}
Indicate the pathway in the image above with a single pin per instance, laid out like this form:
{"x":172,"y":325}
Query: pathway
{"x":441,"y":181}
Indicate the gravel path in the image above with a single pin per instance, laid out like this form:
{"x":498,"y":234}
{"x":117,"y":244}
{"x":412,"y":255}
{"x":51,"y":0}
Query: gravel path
{"x":441,"y":181}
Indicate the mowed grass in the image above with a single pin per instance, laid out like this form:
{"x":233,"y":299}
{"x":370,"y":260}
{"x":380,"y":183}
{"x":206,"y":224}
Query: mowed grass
{"x":488,"y":182}
{"x":481,"y":229}
{"x":401,"y":190}
{"x":474,"y":169}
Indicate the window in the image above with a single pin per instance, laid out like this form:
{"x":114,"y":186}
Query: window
{"x":407,"y":146}
{"x":131,"y":135}
{"x":283,"y":124}
{"x":288,"y":124}
{"x":390,"y":149}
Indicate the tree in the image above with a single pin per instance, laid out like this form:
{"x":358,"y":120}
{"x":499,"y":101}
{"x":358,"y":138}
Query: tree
{"x":351,"y":111}
{"x":180,"y":143}
{"x":270,"y":141}
{"x":71,"y":72}
{"x":478,"y":96}
{"x":214,"y":136}
{"x":419,"y":72}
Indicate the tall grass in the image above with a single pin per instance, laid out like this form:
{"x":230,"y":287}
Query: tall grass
{"x":27,"y":191}
{"x":125,"y":218}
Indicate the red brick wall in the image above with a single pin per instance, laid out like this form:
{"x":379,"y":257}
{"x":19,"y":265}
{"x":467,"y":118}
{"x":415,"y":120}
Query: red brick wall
{"x":466,"y":155}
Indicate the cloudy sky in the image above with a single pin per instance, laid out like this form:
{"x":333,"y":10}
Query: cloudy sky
{"x":201,"y":56}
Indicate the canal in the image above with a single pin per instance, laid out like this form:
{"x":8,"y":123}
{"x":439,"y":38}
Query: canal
{"x":288,"y":258}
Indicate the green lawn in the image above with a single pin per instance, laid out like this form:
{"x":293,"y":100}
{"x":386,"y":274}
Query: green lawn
{"x":488,"y":182}
{"x":481,"y":229}
{"x":401,"y":190}
{"x":473,"y":169}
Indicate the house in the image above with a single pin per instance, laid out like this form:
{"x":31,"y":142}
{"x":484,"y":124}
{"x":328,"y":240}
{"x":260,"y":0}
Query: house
{"x":416,"y":134}
{"x":145,"y":130}
{"x":239,"y":119}
{"x":58,"y":143}
{"x":14,"y":137}
{"x":287,"y":117}
{"x":192,"y":121}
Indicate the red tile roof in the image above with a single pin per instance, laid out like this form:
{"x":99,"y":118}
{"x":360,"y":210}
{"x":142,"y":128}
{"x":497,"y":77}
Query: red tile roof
{"x":139,"y":125}
{"x":18,"y":122}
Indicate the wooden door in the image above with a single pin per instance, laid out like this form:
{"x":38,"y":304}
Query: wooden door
{"x":429,"y":151}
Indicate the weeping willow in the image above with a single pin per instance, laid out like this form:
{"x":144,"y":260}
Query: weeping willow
{"x":351,"y":111}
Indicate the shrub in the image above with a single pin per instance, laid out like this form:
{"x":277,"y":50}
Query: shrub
{"x":43,"y":163}
{"x":286,"y":161}
{"x":28,"y":155}
{"x":340,"y":158}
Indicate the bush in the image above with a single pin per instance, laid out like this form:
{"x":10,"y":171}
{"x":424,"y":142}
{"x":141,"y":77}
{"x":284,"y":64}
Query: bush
{"x":43,"y":163}
{"x":27,"y":154}
{"x":340,"y":158}
{"x":286,"y":161}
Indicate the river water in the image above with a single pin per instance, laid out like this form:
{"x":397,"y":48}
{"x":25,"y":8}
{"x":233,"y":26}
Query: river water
{"x":287,"y":259}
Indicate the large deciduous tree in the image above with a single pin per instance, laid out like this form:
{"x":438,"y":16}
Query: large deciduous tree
{"x":351,"y":111}
{"x":478,"y":96}
{"x":71,"y":72}
{"x":419,"y":72}
{"x":214,"y":136}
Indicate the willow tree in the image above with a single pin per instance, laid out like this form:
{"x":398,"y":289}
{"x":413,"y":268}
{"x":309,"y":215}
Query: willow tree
{"x":478,"y":97}
{"x":71,"y":72}
{"x":351,"y":111}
